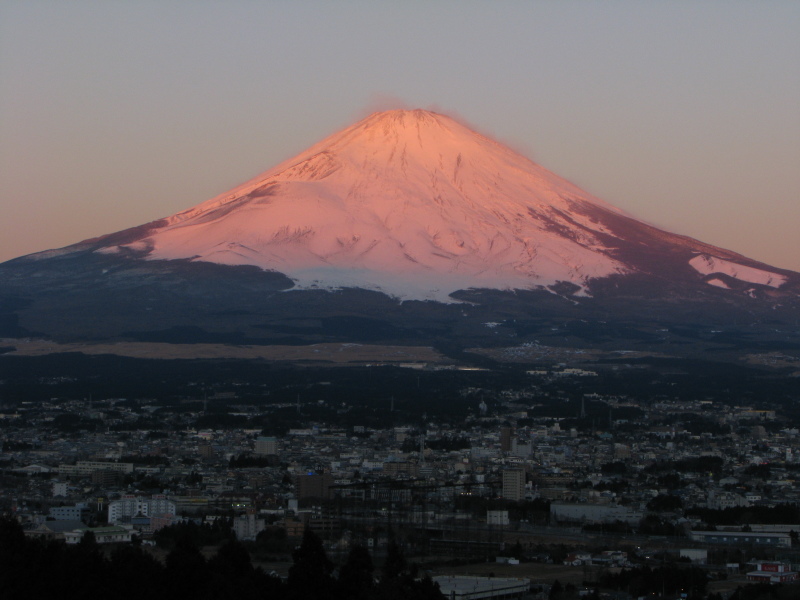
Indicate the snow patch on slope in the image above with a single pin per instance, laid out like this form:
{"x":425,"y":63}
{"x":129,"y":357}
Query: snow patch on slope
{"x":718,"y":283}
{"x":707,"y":264}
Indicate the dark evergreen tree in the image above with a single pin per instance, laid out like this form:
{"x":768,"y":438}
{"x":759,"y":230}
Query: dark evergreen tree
{"x":131,"y":563}
{"x":186,"y":574}
{"x":310,"y":577}
{"x":84,"y":569}
{"x":356,"y":575}
{"x":399,"y":580}
{"x":16,"y":557}
{"x":232,"y":560}
{"x":395,"y":567}
{"x":232,"y":574}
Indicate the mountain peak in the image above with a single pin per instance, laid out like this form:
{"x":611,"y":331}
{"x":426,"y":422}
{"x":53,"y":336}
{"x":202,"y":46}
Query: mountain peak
{"x":416,"y":118}
{"x":400,"y":115}
{"x":417,"y":205}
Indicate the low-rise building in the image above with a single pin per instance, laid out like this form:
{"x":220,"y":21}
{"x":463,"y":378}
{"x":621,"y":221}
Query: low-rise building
{"x":772,"y":572}
{"x":474,"y":588}
{"x":593,"y":513}
{"x":84,"y":468}
{"x":497,"y":517}
{"x":102,"y":535}
{"x":78,"y":512}
{"x":780,"y":540}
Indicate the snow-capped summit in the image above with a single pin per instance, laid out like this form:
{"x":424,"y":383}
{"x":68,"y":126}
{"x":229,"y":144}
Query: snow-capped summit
{"x":412,"y":203}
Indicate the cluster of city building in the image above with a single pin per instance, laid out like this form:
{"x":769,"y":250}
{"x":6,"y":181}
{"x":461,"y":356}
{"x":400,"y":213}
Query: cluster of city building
{"x":133,"y":482}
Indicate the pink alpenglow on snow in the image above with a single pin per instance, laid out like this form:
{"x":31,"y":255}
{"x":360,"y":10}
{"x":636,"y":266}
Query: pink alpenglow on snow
{"x":709,"y":264}
{"x":416,"y":205}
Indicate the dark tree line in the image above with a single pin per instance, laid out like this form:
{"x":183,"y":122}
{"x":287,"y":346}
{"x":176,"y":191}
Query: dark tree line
{"x":665,"y":502}
{"x":35,"y":568}
{"x":205,"y":534}
{"x":311,"y":577}
{"x":669,"y":579}
{"x":697,"y":464}
{"x":739,"y":515}
{"x":445,"y":444}
{"x":244,"y":461}
{"x":614,"y":468}
{"x":151,"y":461}
{"x":763,"y":591}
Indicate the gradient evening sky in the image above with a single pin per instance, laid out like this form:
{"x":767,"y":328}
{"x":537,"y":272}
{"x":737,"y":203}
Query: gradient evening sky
{"x":685,"y":114}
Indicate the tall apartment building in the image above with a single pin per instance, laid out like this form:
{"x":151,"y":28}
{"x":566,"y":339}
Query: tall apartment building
{"x":266,"y":445}
{"x":107,"y":477}
{"x":395,"y":468}
{"x":314,"y":485}
{"x":514,"y":484}
{"x":248,"y":526}
{"x":505,"y":439}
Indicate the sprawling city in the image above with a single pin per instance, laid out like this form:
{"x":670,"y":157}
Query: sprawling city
{"x":531,"y":486}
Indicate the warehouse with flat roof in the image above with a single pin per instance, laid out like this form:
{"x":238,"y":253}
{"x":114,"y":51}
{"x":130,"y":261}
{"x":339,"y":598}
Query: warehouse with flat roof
{"x":474,"y":588}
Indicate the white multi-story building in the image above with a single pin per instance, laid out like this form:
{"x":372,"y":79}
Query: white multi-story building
{"x":521,"y":449}
{"x":121,"y":511}
{"x":514,"y":484}
{"x":248,"y":526}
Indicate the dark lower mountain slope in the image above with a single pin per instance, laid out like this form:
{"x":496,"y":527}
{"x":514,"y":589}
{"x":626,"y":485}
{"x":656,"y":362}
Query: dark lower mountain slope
{"x":90,"y":296}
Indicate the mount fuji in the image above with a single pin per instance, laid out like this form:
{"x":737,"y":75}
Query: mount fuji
{"x":408,"y":219}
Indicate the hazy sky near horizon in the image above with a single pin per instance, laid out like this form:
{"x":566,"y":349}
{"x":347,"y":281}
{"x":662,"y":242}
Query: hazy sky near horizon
{"x":685,"y":114}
